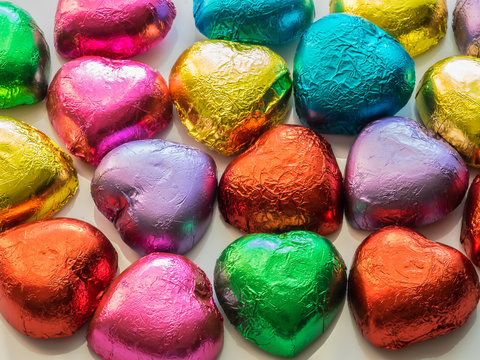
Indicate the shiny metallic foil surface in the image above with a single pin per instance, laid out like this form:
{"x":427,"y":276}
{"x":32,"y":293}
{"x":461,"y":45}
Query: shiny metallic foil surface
{"x":24,"y":58}
{"x":281,"y":291}
{"x":161,"y":307}
{"x":470,"y":235}
{"x":349,"y":72}
{"x":448,"y":102}
{"x":52,"y":275}
{"x":404,"y":288}
{"x":466,"y":26}
{"x":116,"y":29}
{"x":253,"y":21}
{"x":398,"y":172}
{"x":417,"y":24}
{"x":37,"y":177}
{"x":287,"y":180}
{"x":96,"y":104}
{"x":158,"y":194}
{"x":227,"y":94}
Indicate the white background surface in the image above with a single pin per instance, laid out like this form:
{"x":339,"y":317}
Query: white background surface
{"x":342,"y":340}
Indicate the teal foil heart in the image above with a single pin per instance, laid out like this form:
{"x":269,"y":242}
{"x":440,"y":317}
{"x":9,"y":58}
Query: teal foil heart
{"x":281,"y":291}
{"x":24,"y":58}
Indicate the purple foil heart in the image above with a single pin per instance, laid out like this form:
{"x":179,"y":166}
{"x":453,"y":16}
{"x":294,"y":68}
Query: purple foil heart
{"x":158,"y":194}
{"x":400,"y":173}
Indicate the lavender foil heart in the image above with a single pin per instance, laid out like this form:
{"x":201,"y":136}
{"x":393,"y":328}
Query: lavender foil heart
{"x":159,"y":194}
{"x":398,"y":172}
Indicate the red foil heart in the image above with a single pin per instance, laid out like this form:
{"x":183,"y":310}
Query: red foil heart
{"x":52,"y":275}
{"x":287,"y":180}
{"x":404,"y":288}
{"x":470,"y":235}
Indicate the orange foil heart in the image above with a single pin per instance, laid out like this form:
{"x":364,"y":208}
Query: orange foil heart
{"x":404,"y":288}
{"x":287,"y":180}
{"x":52,"y":275}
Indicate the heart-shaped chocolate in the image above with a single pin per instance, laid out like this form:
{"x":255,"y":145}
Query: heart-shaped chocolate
{"x":37,"y":177}
{"x":227,"y":94}
{"x":448,"y":102}
{"x":96,"y":104}
{"x":52,"y":275}
{"x":417,"y":25}
{"x":115,"y":29}
{"x":470,"y":235}
{"x":400,"y":173}
{"x":466,"y":27}
{"x":253,"y":21}
{"x":281,"y":291}
{"x":24,"y":58}
{"x":158,"y":194}
{"x":287,"y":180}
{"x":404,"y":288}
{"x":161,"y":307}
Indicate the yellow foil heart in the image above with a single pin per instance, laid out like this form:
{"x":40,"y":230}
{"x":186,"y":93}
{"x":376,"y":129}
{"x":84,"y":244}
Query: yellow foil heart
{"x":416,"y":24}
{"x":227,"y":94}
{"x":448,"y":102}
{"x":36,"y":177}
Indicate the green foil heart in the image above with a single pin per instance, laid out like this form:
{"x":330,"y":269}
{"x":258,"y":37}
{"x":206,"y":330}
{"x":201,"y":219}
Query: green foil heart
{"x":281,"y":291}
{"x":24,"y":58}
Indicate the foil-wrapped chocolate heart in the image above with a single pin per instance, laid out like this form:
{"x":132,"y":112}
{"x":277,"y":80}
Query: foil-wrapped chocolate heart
{"x":281,"y":291}
{"x":96,"y":104}
{"x":287,"y":180}
{"x":404,"y":288}
{"x":161,"y":307}
{"x":52,"y":275}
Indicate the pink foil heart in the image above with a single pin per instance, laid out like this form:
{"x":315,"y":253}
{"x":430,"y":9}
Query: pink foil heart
{"x":161,"y":307}
{"x":113,"y":28}
{"x":96,"y":104}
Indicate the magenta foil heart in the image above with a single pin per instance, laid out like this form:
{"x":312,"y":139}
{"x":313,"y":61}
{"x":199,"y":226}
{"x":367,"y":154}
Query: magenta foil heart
{"x":96,"y":104}
{"x":116,"y":29}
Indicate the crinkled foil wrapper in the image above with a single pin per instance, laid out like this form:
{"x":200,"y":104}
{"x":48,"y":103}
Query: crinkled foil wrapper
{"x":24,"y":58}
{"x":466,"y":27}
{"x":52,"y":275}
{"x":470,"y":235}
{"x":398,"y":172}
{"x":349,"y":72}
{"x":227,"y":94}
{"x":287,"y":180}
{"x":417,"y":24}
{"x":92,"y":118}
{"x":281,"y":291}
{"x":37,"y":177}
{"x":448,"y":102}
{"x":161,"y":307}
{"x":252,"y":21}
{"x":116,"y":29}
{"x":404,"y":288}
{"x":159,"y":194}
